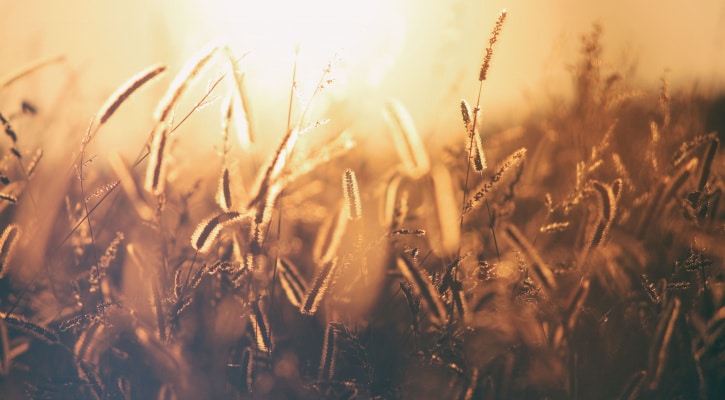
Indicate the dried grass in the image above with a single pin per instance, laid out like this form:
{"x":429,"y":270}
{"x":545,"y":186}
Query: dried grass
{"x":609,"y":282}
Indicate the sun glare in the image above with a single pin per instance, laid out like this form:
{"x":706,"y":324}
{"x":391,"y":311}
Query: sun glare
{"x":365,"y":35}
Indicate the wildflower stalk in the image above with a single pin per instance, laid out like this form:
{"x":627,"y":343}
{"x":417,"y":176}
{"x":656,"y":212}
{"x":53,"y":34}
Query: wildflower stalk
{"x":473,"y":123}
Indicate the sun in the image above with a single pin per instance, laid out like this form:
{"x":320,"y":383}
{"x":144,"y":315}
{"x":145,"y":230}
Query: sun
{"x":365,"y":35}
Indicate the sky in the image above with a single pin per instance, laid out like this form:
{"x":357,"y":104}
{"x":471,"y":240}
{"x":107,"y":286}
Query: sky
{"x":425,"y":56}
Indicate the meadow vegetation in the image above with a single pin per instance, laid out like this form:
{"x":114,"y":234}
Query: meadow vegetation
{"x":576,"y":255}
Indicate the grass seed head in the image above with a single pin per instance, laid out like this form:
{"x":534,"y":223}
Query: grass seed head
{"x":352,"y":195}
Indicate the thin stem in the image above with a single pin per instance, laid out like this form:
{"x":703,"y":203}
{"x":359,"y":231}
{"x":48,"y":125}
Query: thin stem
{"x":279,"y":216}
{"x":493,"y":231}
{"x":471,"y":133}
{"x":81,"y":161}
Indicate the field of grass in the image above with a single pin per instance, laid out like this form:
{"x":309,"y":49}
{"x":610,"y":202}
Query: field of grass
{"x":576,"y":255}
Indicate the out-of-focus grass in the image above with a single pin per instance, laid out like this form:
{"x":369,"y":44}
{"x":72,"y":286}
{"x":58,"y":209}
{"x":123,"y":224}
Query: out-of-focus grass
{"x":588,"y":263}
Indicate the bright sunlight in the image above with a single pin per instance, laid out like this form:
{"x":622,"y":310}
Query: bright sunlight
{"x":364,"y":35}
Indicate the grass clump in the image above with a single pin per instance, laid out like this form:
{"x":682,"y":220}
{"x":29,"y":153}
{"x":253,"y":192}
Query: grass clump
{"x":608,"y":283}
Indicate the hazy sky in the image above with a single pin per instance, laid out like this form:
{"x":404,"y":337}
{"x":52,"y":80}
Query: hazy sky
{"x":426,"y":56}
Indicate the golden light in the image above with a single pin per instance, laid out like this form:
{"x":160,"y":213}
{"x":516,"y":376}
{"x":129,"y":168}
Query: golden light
{"x":361,"y":245}
{"x":425,"y":55}
{"x":364,"y":35}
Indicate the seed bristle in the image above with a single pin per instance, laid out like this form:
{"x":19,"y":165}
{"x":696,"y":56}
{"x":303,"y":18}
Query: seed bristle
{"x":478,"y":158}
{"x":489,"y":50}
{"x":157,"y":166}
{"x":127,"y":89}
{"x":292,"y":282}
{"x":224,"y":197}
{"x":352,"y":195}
{"x":182,"y":79}
{"x":480,"y":193}
{"x":329,"y":353}
{"x":320,"y":285}
{"x":260,"y":327}
{"x":208,"y":230}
